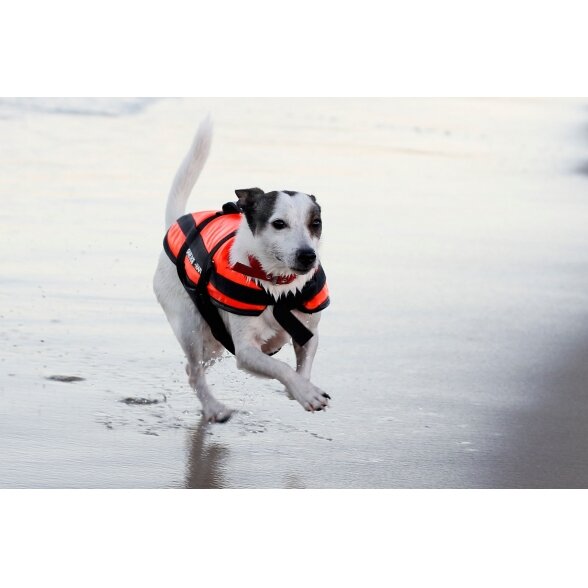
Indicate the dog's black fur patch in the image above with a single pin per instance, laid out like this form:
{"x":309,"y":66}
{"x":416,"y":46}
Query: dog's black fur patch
{"x":315,"y":214}
{"x":257,"y":206}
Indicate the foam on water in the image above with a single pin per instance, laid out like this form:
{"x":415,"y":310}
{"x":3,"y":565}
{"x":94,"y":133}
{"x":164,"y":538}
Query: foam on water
{"x":17,"y":107}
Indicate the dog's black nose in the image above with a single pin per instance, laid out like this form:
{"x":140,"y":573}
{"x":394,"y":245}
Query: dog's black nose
{"x":306,"y":257}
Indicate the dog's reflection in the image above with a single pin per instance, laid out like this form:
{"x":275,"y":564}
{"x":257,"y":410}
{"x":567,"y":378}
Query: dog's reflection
{"x":205,"y":460}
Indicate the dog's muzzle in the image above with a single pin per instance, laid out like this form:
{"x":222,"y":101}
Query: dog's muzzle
{"x":305,"y":258}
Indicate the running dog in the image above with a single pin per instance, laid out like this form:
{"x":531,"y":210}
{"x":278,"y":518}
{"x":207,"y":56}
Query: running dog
{"x":246,"y":278}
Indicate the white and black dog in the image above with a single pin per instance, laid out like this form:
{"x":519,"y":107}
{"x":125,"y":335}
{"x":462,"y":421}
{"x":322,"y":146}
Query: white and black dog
{"x":278,"y":243}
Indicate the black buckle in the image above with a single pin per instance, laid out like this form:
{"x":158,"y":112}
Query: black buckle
{"x":231,"y":208}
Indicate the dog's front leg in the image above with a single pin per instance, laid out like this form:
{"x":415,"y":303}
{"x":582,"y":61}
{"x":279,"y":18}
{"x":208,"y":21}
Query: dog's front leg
{"x":252,"y":359}
{"x":246,"y":337}
{"x":305,"y":355}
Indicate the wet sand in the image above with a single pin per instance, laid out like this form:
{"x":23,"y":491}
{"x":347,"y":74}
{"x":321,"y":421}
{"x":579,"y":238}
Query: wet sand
{"x":455,"y":348}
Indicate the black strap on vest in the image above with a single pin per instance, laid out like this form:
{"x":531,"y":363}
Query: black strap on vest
{"x":199,"y":293}
{"x":207,"y":309}
{"x":288,"y":321}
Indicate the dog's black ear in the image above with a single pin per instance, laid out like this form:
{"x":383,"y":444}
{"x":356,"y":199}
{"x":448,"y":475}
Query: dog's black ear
{"x":248,"y":200}
{"x":248,"y":196}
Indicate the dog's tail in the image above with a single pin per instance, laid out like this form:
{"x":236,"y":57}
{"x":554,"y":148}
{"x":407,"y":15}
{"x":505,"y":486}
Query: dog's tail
{"x":188,"y":172}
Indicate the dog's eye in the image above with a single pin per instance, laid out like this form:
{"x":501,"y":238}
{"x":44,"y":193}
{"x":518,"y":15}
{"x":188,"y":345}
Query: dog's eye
{"x":317,"y":222}
{"x":279,"y":224}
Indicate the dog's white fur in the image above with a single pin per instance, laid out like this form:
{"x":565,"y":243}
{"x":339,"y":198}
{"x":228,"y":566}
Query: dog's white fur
{"x":254,"y":337}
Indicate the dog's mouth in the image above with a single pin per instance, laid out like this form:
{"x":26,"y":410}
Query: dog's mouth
{"x":300,"y":271}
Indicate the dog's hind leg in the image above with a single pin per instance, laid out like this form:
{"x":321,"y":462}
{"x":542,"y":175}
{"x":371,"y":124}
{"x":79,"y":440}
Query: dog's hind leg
{"x":214,"y":411}
{"x":193,"y":335}
{"x":190,"y":335}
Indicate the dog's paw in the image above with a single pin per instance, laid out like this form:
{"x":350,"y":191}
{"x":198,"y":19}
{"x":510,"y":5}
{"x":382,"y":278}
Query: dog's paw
{"x":217,"y":413}
{"x":310,"y":396}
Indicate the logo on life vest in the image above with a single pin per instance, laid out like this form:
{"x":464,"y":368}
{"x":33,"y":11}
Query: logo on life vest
{"x":193,"y":261}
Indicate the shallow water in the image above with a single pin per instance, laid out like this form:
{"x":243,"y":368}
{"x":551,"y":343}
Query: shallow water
{"x":455,"y":243}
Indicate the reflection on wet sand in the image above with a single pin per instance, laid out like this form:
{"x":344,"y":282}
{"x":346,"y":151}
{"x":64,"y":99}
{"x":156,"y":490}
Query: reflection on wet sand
{"x":205,"y":460}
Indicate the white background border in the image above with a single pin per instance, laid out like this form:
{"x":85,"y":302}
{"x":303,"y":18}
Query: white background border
{"x":301,"y":48}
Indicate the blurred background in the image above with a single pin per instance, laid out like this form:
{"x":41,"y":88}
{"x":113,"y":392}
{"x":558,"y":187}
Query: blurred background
{"x":456,"y":345}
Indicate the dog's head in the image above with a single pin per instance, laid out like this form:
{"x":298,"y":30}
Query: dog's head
{"x":286,"y":227}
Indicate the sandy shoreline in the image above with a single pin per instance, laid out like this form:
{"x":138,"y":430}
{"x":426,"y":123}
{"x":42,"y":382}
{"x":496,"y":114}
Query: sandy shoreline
{"x":461,"y":361}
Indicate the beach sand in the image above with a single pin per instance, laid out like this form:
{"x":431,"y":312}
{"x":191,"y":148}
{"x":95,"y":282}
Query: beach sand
{"x":456,"y":247}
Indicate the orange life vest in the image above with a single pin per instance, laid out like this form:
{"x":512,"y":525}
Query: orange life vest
{"x":199,"y":244}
